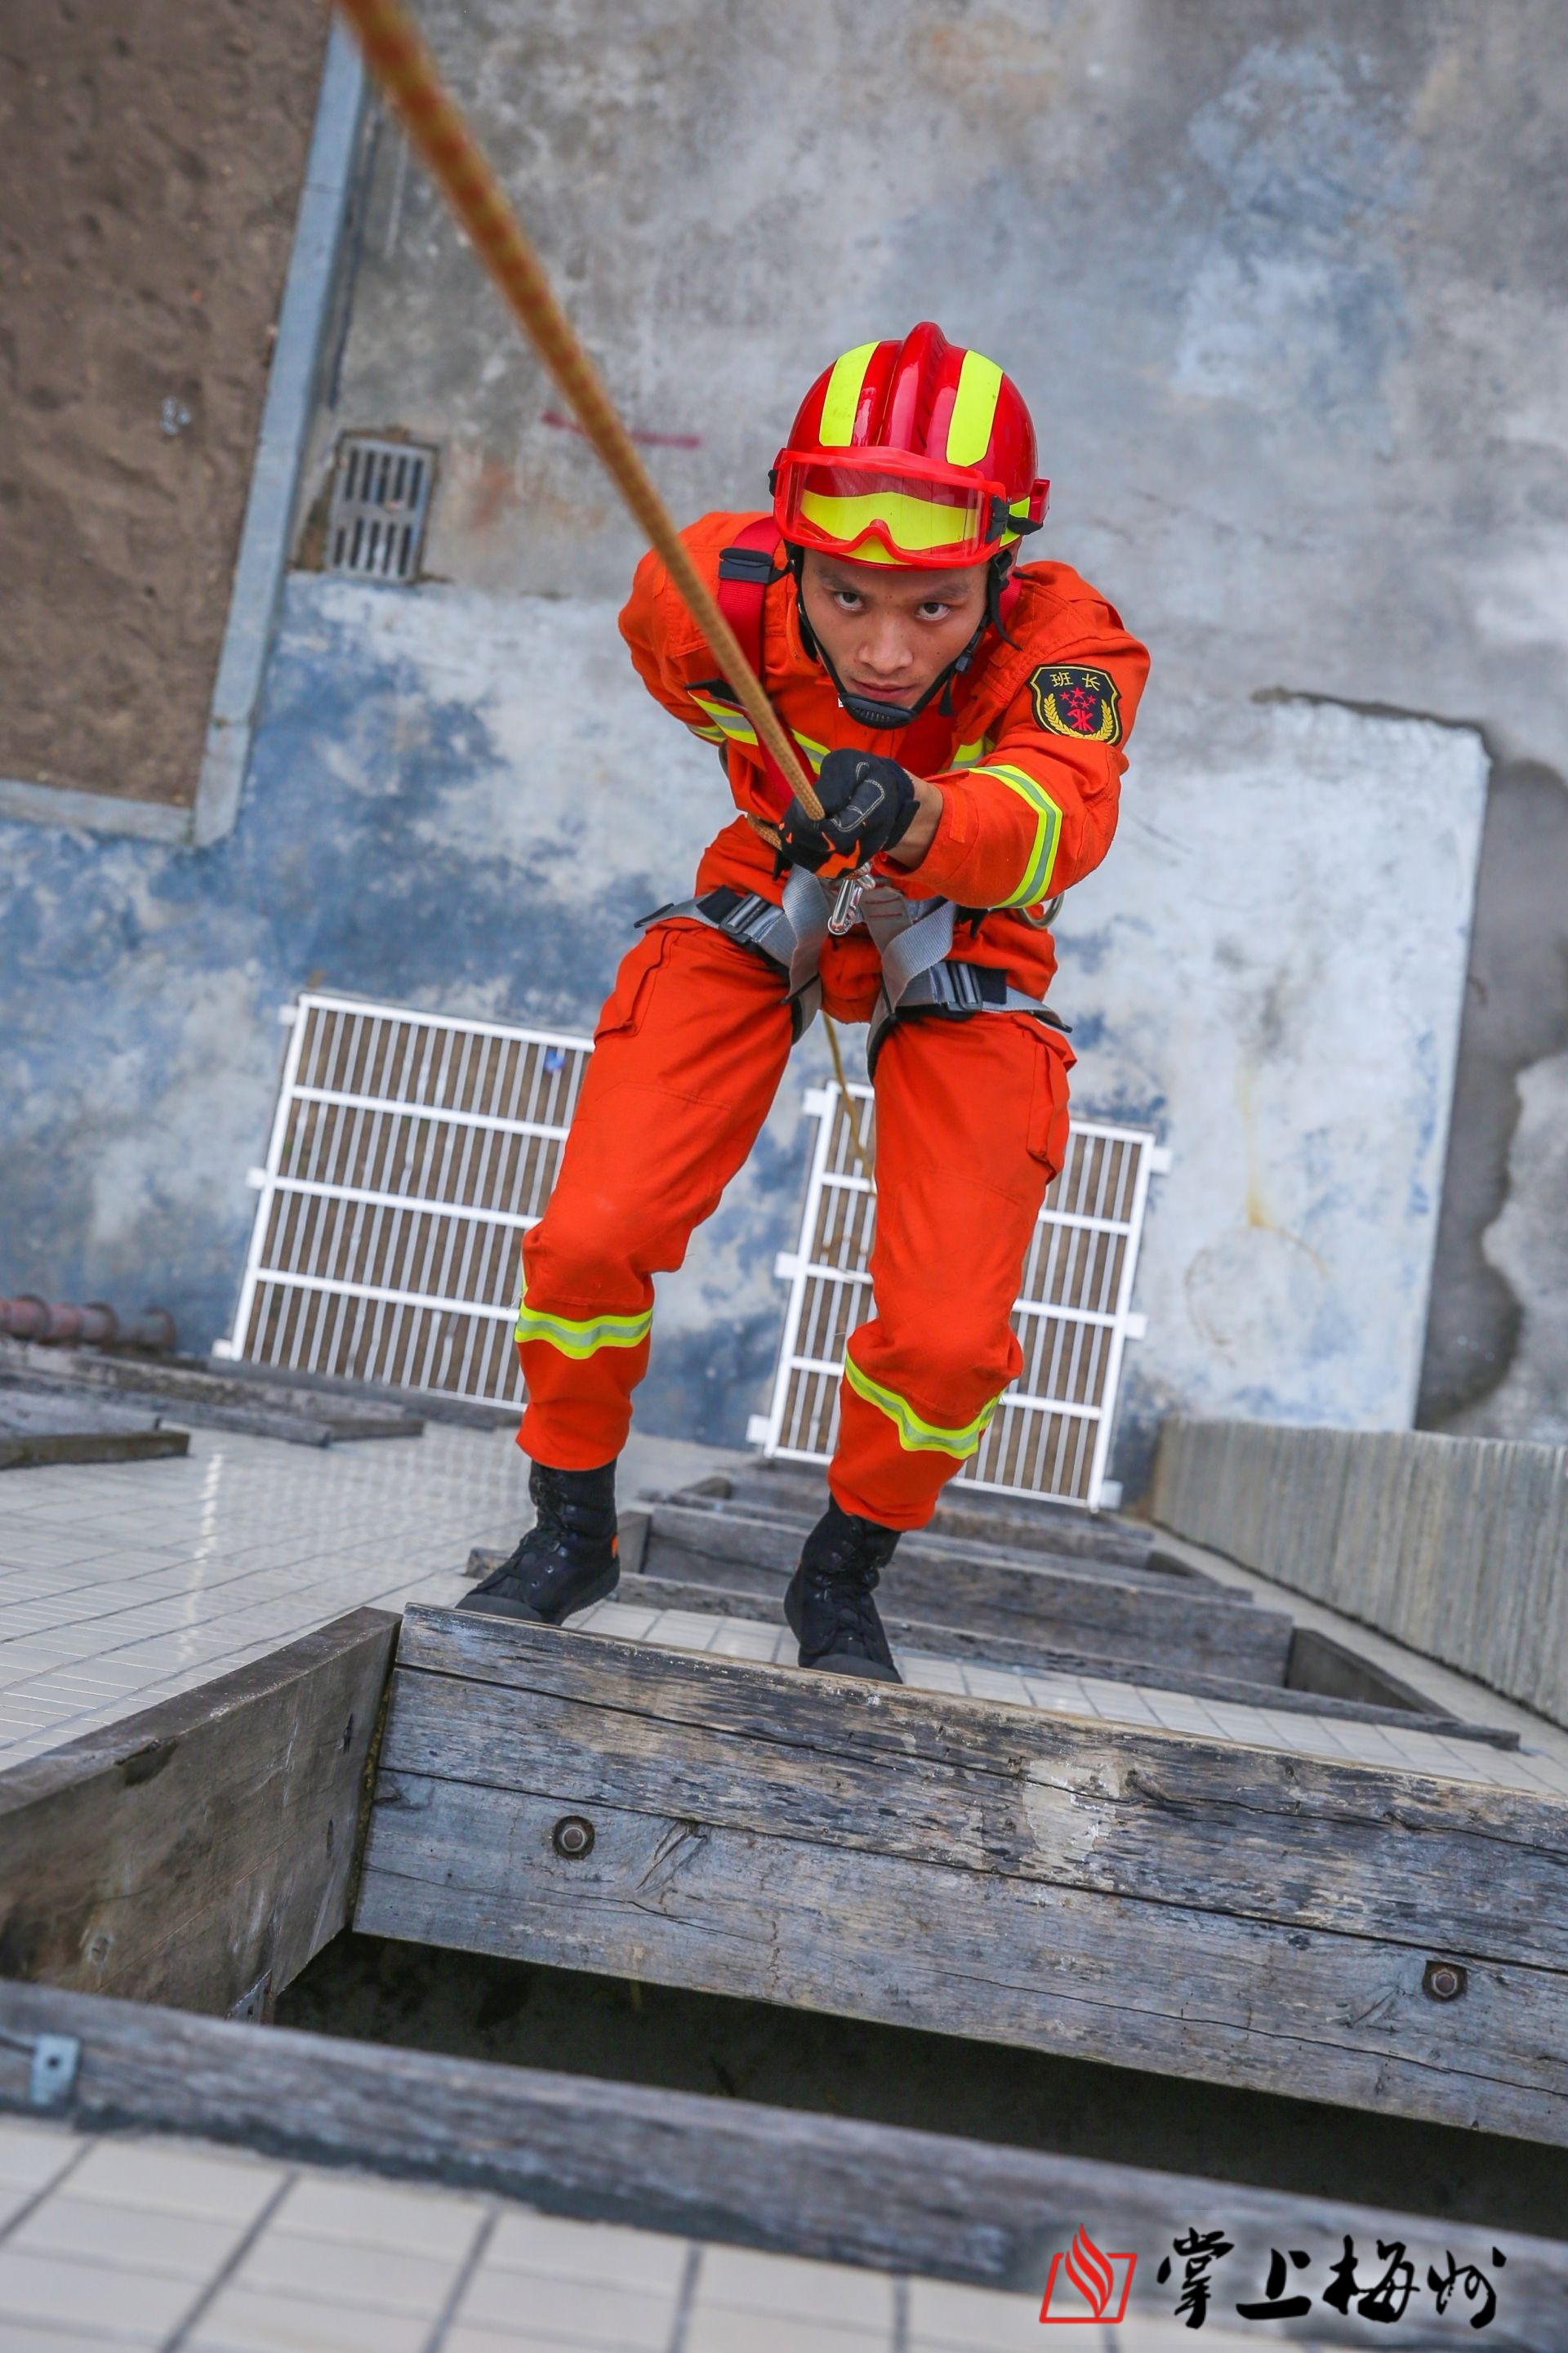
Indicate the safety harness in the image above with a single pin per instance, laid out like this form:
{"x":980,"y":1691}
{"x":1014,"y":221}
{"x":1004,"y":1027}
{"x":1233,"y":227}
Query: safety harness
{"x":913,"y":937}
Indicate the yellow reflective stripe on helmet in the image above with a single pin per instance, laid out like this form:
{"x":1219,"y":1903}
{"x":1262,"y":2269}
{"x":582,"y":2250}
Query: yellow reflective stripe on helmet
{"x":973,"y":410}
{"x":1037,"y":882}
{"x":732,"y":724}
{"x":916,"y":1436}
{"x":917,"y":525}
{"x":581,"y":1339}
{"x":842,"y":397}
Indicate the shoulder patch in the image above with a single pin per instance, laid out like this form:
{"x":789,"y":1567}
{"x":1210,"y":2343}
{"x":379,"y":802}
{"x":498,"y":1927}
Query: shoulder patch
{"x":1072,"y":700}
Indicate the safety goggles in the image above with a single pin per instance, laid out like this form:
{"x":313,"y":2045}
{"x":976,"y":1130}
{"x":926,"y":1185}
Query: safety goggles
{"x":898,"y":508}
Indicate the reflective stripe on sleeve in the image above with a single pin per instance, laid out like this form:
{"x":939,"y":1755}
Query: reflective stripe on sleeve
{"x":915,"y":1435}
{"x":729,"y":722}
{"x":1035,"y":885}
{"x":731,"y":726}
{"x":581,"y":1339}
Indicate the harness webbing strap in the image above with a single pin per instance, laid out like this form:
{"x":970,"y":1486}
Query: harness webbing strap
{"x":790,"y":935}
{"x":745,"y":572}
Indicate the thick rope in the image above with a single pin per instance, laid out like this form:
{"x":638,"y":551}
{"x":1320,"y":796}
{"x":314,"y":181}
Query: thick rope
{"x":850,"y":1113}
{"x":396,"y":55}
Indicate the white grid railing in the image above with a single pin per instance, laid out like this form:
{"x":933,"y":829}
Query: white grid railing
{"x":409,"y":1153}
{"x":1051,"y":1434}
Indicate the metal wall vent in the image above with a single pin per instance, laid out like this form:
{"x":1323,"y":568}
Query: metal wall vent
{"x":381,"y":500}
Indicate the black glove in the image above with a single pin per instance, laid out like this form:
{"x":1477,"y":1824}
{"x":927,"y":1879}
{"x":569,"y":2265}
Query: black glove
{"x":868,"y":802}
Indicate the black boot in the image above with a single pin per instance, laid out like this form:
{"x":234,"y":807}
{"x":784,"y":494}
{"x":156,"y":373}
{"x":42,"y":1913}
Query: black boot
{"x":568,"y":1559}
{"x":828,"y":1600}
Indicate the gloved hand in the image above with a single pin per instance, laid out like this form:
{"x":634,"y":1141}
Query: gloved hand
{"x":868,"y":802}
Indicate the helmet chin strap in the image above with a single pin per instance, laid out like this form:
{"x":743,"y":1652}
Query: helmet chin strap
{"x":861,"y":709}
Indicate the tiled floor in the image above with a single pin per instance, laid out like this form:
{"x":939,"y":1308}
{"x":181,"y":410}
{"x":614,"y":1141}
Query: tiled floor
{"x":173,"y":2245}
{"x":122,"y":1584}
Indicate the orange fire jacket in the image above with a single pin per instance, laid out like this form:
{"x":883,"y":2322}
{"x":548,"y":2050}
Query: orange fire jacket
{"x":1029,"y":764}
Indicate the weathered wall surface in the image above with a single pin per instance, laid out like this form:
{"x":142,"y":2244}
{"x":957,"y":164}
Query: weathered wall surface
{"x":1287,"y":289}
{"x":429,"y":823}
{"x":1293,"y":1042}
{"x":415,"y":831}
{"x":1285,"y":284}
{"x":1457,"y":1546}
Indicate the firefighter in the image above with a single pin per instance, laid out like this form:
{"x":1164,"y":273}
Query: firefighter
{"x":965,"y":715}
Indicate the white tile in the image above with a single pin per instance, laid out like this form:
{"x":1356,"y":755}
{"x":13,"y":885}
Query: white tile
{"x":600,"y":2312}
{"x":711,"y":2328}
{"x":552,"y":2247}
{"x":178,"y":2179}
{"x":971,"y":2319}
{"x":64,"y":2292}
{"x":430,"y":2222}
{"x":742,"y":2280}
{"x":33,"y":2155}
{"x":133,"y":2238}
{"x":338,"y":2271}
{"x":925,"y":1674}
{"x":994,"y":1683}
{"x":241,"y":2320}
{"x":739,"y":1638}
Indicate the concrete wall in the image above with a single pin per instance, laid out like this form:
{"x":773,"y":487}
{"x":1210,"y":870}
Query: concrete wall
{"x":1287,"y":288}
{"x":1458,"y":1546}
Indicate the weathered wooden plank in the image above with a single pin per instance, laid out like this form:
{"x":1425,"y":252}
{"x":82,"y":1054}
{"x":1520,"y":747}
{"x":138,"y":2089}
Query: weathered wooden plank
{"x":201,"y":1847}
{"x":1411,"y":1713}
{"x":827,"y":2186}
{"x":963,"y":1536}
{"x":1096,"y":1610}
{"x":33,"y":1450}
{"x":799,"y":1493}
{"x":1151,"y":1816}
{"x":1458,"y":1546}
{"x":773,"y":1541}
{"x":205,"y":1399}
{"x":870,"y":1935}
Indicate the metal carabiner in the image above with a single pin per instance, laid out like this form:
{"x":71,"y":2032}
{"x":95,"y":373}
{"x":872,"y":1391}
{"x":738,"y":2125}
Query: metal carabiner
{"x":845,"y":913}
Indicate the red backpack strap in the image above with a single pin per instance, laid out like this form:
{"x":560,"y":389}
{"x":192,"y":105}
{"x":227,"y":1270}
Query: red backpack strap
{"x":746,"y":572}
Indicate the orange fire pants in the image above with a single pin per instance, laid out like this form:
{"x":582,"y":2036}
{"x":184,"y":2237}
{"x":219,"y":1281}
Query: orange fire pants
{"x":971,"y":1125}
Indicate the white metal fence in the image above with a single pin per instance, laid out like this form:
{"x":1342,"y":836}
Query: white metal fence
{"x":408,"y":1155}
{"x":1051,"y":1433}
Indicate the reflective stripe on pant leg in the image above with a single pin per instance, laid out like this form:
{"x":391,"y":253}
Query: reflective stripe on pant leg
{"x":966,"y":1119}
{"x":687,"y":1058}
{"x":580,"y":1340}
{"x":915,"y":1434}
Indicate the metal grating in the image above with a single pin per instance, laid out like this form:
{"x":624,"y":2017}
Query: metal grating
{"x":409,"y":1153}
{"x":1051,"y":1433}
{"x":381,"y":500}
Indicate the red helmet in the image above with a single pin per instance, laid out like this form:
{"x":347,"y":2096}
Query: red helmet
{"x":917,"y":453}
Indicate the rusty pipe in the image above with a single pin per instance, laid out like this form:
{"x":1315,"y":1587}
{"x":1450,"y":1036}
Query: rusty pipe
{"x":94,"y":1325}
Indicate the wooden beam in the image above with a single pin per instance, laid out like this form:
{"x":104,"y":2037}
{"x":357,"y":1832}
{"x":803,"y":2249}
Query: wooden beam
{"x":795,"y":1491}
{"x":640,"y":1592}
{"x":842,"y":2191}
{"x":1111,"y":1612}
{"x":1196,"y":1907}
{"x":199,"y":1851}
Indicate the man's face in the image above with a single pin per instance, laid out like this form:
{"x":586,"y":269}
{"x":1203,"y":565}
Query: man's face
{"x":891,"y":630}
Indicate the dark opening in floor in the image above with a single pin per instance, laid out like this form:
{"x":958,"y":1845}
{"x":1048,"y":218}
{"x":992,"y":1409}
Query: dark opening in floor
{"x":369,"y":1988}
